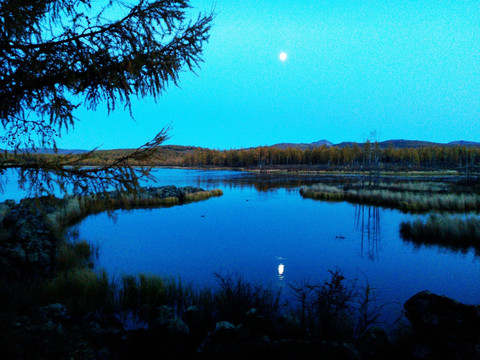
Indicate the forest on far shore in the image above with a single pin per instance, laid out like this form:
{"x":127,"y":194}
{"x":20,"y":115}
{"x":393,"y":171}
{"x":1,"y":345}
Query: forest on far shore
{"x":365,"y":156}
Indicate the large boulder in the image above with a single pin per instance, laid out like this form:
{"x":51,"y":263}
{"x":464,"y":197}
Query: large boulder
{"x":444,"y":328}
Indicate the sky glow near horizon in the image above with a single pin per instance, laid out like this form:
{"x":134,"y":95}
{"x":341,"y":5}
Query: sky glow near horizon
{"x":401,"y":69}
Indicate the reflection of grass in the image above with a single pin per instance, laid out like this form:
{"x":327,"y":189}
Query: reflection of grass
{"x":406,"y":197}
{"x":452,"y":231}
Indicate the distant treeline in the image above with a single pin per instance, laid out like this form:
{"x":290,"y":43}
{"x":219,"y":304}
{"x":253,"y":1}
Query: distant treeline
{"x":367,"y":156}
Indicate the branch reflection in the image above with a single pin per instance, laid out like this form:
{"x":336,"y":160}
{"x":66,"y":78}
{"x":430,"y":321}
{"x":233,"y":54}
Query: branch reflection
{"x":367,"y":222}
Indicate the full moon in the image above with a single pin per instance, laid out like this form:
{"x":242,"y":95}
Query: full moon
{"x":282,"y":56}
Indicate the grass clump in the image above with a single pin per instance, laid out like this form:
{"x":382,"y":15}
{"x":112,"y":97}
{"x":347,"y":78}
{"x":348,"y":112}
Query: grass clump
{"x":452,"y":231}
{"x":407,"y":197}
{"x":81,"y":290}
{"x":75,"y":284}
{"x":140,"y":297}
{"x":75,"y":255}
{"x":202,"y":195}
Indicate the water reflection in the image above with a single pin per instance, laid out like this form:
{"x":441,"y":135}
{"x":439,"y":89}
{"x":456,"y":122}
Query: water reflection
{"x":236,"y":235}
{"x":265,"y":182}
{"x":281,"y":269}
{"x":367,"y":222}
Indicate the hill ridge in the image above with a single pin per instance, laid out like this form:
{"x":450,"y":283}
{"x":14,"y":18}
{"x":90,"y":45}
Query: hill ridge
{"x":395,"y":143}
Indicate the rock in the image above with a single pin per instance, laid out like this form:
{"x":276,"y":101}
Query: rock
{"x":225,"y":327}
{"x":167,"y":323}
{"x":197,"y":322}
{"x":221,"y":340}
{"x":297,"y":349}
{"x":255,"y":322}
{"x":55,"y":312}
{"x":443,"y":327}
{"x":28,"y":248}
{"x":375,"y":344}
{"x":189,"y":190}
{"x":442,"y":316}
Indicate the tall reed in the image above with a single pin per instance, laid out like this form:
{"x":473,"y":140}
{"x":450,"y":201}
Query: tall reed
{"x":81,"y":290}
{"x":452,"y":231}
{"x":140,"y":296}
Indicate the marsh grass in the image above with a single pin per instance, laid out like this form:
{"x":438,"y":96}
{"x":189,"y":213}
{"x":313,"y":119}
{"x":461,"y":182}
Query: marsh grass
{"x":407,"y":197}
{"x":417,"y":186}
{"x":452,"y":231}
{"x":78,"y":254}
{"x":75,"y":283}
{"x":81,"y":290}
{"x":203,"y":195}
{"x":139,"y":297}
{"x":73,"y":209}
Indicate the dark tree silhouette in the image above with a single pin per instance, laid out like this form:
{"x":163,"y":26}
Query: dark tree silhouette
{"x":57,"y":55}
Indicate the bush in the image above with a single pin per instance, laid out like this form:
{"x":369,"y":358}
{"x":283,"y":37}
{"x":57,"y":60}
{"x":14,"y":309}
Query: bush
{"x":236,"y":296}
{"x":334,"y":310}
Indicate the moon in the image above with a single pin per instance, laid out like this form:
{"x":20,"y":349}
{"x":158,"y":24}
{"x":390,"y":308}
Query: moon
{"x":283,"y":56}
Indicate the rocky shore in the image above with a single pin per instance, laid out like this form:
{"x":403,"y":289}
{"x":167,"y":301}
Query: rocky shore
{"x":31,"y":229}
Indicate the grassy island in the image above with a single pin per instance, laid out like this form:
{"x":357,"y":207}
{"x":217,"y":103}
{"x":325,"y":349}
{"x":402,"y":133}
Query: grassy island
{"x":415,"y":197}
{"x":451,"y":231}
{"x":446,"y":201}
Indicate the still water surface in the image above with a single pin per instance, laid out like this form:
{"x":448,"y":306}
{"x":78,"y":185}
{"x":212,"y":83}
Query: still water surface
{"x":265,"y":231}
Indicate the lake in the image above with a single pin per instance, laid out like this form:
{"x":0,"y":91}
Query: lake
{"x":262,"y":229}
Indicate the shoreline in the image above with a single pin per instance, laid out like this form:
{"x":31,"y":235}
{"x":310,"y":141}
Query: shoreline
{"x":32,"y":229}
{"x":296,"y":171}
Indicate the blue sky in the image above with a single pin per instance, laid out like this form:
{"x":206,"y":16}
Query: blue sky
{"x":401,"y":69}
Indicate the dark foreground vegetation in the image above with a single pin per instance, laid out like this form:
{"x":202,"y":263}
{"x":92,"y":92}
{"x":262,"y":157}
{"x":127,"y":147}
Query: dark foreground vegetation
{"x":56,"y":305}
